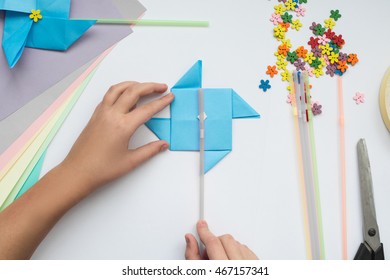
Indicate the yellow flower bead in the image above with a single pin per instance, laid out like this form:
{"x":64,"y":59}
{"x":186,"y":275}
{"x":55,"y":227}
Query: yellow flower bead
{"x":281,"y":64}
{"x":333,"y":57}
{"x":309,"y":57}
{"x":329,"y":23}
{"x":296,"y":24}
{"x":279,"y":9}
{"x":290,"y":5}
{"x":287,"y":43}
{"x":318,"y":72}
{"x":286,"y":75}
{"x":35,"y":15}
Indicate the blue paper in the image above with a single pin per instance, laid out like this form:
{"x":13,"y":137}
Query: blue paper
{"x":24,"y":6}
{"x":33,"y":177}
{"x":55,"y":31}
{"x":221,"y":105}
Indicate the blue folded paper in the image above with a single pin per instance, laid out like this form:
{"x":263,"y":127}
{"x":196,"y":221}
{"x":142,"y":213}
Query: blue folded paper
{"x":221,"y":105}
{"x":53,"y":31}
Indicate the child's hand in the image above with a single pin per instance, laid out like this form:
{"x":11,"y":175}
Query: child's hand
{"x":99,"y":155}
{"x":101,"y":152}
{"x":224,"y":247}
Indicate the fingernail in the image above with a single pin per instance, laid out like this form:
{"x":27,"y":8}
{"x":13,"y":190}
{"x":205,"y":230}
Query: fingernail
{"x":203,"y":223}
{"x":187,"y":239}
{"x":164,"y":147}
{"x":169,"y":95}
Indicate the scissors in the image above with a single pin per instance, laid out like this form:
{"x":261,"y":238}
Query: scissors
{"x":371,"y":248}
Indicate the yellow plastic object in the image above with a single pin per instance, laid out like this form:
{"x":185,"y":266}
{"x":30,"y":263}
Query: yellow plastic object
{"x":384,"y":99}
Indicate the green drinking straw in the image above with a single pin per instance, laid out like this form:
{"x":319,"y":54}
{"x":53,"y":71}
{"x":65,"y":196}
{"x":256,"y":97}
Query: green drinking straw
{"x":151,"y":22}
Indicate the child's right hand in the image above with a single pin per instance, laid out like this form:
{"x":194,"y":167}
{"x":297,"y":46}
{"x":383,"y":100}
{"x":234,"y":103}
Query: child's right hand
{"x":224,"y":247}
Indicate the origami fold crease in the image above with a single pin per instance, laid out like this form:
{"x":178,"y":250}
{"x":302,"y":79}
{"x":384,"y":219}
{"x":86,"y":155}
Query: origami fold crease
{"x":221,"y":105}
{"x":55,"y":31}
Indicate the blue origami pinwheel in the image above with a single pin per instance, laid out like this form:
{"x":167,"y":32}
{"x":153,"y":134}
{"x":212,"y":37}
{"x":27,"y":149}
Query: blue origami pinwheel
{"x":49,"y":28}
{"x":221,"y":105}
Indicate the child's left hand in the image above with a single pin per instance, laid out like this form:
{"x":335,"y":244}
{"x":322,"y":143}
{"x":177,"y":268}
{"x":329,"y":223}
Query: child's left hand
{"x":101,"y":152}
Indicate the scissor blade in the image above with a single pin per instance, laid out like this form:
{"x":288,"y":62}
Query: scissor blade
{"x":370,"y":226}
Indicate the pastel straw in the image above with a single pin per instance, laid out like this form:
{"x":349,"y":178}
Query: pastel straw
{"x":301,"y":172}
{"x":342,"y":170}
{"x":39,"y":146}
{"x":308,"y":170}
{"x":315,"y":167}
{"x":308,"y":161}
{"x":151,"y":22}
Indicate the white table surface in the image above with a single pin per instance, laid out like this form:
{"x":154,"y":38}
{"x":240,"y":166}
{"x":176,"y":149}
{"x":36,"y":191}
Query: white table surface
{"x":254,"y":192}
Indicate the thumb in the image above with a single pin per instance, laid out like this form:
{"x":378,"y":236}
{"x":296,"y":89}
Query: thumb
{"x":214,"y":247}
{"x":146,"y":152}
{"x":192,"y":248}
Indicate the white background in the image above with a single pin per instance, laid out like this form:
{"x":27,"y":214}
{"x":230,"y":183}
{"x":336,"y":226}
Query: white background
{"x":254,"y":192}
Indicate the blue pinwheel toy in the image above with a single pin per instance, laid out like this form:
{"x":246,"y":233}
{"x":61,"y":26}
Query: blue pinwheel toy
{"x":41,"y":24}
{"x":221,"y":105}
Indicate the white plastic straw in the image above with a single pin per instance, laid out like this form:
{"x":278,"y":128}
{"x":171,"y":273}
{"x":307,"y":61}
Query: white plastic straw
{"x":201,"y":153}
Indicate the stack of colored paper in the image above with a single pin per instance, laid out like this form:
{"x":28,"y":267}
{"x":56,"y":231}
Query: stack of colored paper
{"x":38,"y":72}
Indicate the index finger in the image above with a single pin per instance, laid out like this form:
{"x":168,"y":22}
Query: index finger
{"x":115,"y":91}
{"x":144,"y":113}
{"x":129,"y":98}
{"x":214,"y":247}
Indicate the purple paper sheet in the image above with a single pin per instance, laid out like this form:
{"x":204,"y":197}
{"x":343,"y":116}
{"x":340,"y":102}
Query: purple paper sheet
{"x":38,"y":70}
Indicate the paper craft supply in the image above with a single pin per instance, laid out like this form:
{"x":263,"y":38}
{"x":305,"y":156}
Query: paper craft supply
{"x":313,"y":151}
{"x":40,"y":24}
{"x":302,"y":111}
{"x":324,"y":55}
{"x":58,"y":123}
{"x":384,"y":99}
{"x":15,"y":178}
{"x":343,"y":175}
{"x":38,"y":70}
{"x":19,"y":121}
{"x":307,"y":167}
{"x":127,"y":9}
{"x":221,"y":105}
{"x":305,"y":211}
{"x":371,"y":248}
{"x":151,"y":22}
{"x":23,"y":152}
{"x":359,"y":98}
{"x":27,"y":136}
{"x":201,"y":152}
{"x":202,"y":117}
{"x":33,"y":177}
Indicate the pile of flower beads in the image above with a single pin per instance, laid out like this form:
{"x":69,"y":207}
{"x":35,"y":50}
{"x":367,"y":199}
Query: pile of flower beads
{"x":324,"y":54}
